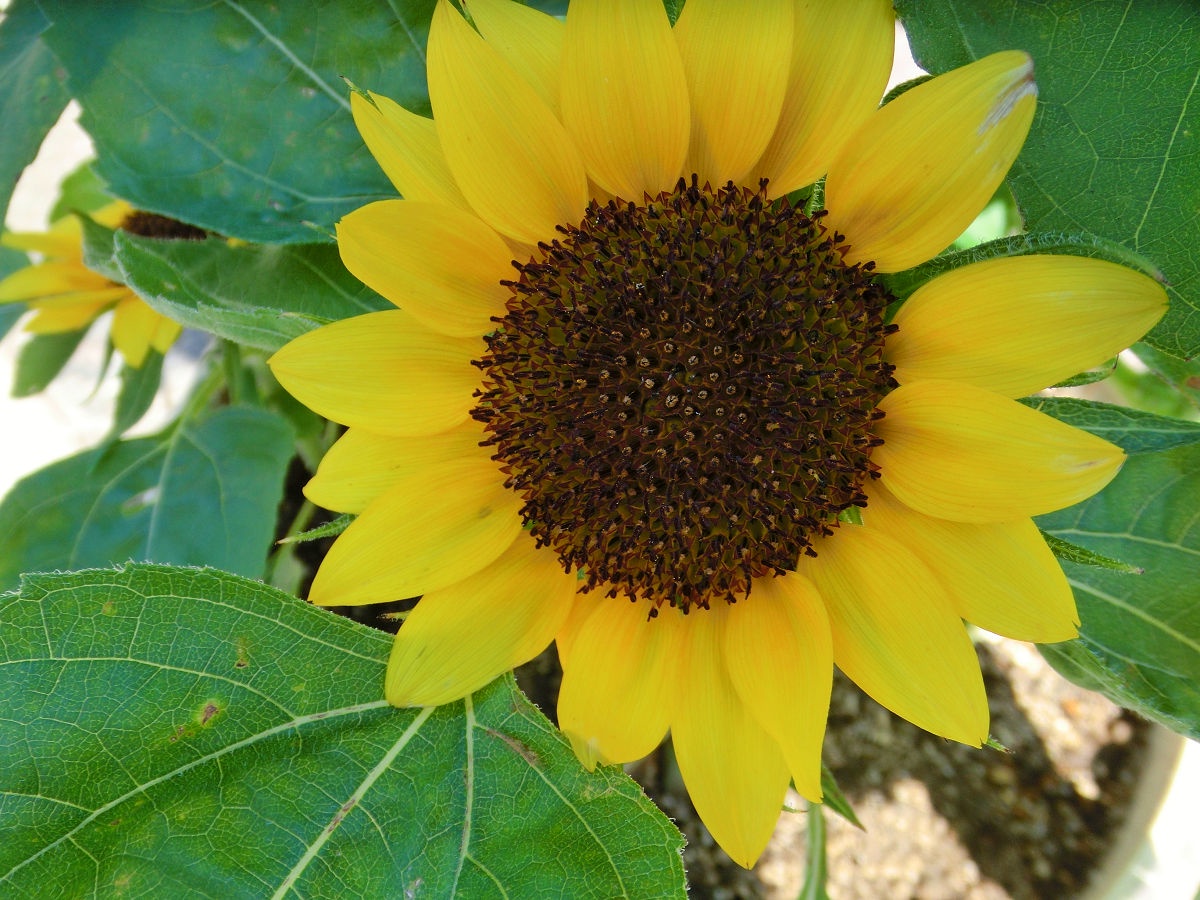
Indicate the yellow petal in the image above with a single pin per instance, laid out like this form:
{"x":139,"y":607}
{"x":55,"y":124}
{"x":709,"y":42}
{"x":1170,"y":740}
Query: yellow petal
{"x":827,"y":99}
{"x":916,"y":174}
{"x":896,"y":634}
{"x":631,"y":123}
{"x":737,"y":58}
{"x":56,"y":318}
{"x":1000,"y":576}
{"x":440,"y":524}
{"x":734,"y":771}
{"x":361,"y":465}
{"x":134,"y":324}
{"x":407,"y":148}
{"x":460,"y":637}
{"x":51,"y":279}
{"x":383,"y":371}
{"x":959,"y":452}
{"x":1015,"y":326}
{"x":510,"y":156}
{"x":165,"y":333}
{"x":439,"y":263}
{"x":616,"y":696}
{"x":781,"y":663}
{"x":529,"y":40}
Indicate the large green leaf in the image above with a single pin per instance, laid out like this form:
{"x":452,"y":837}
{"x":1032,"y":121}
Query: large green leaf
{"x":234,"y":116}
{"x":184,"y":733}
{"x":1115,"y":146}
{"x":1140,"y":638}
{"x":1133,"y":430}
{"x":32,"y":95}
{"x":201,"y":493}
{"x":261,"y":296}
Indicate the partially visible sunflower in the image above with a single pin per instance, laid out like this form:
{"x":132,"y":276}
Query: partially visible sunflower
{"x":678,"y":435}
{"x":65,"y":295}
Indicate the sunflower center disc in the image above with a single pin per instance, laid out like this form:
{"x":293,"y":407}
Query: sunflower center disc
{"x":683,"y":392}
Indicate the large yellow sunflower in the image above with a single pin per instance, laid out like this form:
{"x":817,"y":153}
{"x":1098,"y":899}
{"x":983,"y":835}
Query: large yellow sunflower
{"x":634,"y":403}
{"x":65,"y":295}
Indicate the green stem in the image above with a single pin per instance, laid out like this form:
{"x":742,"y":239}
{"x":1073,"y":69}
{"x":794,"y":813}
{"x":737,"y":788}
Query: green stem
{"x":815,"y":864}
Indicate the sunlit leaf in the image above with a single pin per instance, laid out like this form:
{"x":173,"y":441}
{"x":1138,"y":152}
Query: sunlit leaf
{"x":185,"y":733}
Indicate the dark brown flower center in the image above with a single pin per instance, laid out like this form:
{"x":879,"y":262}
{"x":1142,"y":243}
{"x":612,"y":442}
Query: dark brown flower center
{"x":683,"y":392}
{"x":152,"y":225}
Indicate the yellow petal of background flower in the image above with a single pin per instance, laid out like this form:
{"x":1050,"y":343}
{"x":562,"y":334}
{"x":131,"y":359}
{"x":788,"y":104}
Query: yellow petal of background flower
{"x":510,"y":156}
{"x":896,"y":634}
{"x":734,"y":771}
{"x":632,"y":123}
{"x":1000,"y":576}
{"x":134,"y":325}
{"x":841,"y":59}
{"x":781,"y":663}
{"x":440,"y":264}
{"x":55,"y":318}
{"x":438,"y":525}
{"x":617,"y":688}
{"x":737,"y":57}
{"x":529,"y":40}
{"x":1017,"y":325}
{"x":407,"y":148}
{"x":361,"y":465}
{"x":165,"y":333}
{"x":49,"y":279}
{"x":916,"y":174}
{"x":383,"y":371}
{"x":959,"y":452}
{"x":460,"y":637}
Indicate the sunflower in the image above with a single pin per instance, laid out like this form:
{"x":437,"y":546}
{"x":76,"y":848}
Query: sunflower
{"x":65,"y":295}
{"x":638,"y":403}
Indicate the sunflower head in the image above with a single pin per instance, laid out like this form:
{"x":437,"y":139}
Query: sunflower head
{"x":631,"y":390}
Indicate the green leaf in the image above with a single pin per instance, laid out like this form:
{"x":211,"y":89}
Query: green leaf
{"x":1115,"y":147}
{"x":260,"y":296}
{"x":41,"y":358}
{"x":32,"y":95}
{"x":138,"y":388}
{"x":1181,"y":375}
{"x":1132,"y":430}
{"x":1065,"y":550}
{"x":247,"y":131}
{"x":1140,"y":638}
{"x":186,"y":733}
{"x":80,"y":192}
{"x":199,"y":494}
{"x":835,"y":799}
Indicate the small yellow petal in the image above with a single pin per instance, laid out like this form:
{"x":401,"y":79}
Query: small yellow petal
{"x":896,"y":634}
{"x":439,"y":263}
{"x":959,"y":452}
{"x":439,"y":525}
{"x":51,"y":279}
{"x":1000,"y":576}
{"x":632,"y":124}
{"x":616,"y":696}
{"x":734,"y":771}
{"x":1017,"y":325}
{"x":510,"y":156}
{"x":529,"y":40}
{"x":407,"y":148}
{"x":361,"y":465}
{"x":781,"y":663}
{"x":166,"y":332}
{"x":737,"y":58}
{"x":134,"y":324}
{"x":827,"y":99}
{"x":383,"y":371}
{"x":916,"y":174}
{"x":460,"y":637}
{"x":57,"y":318}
